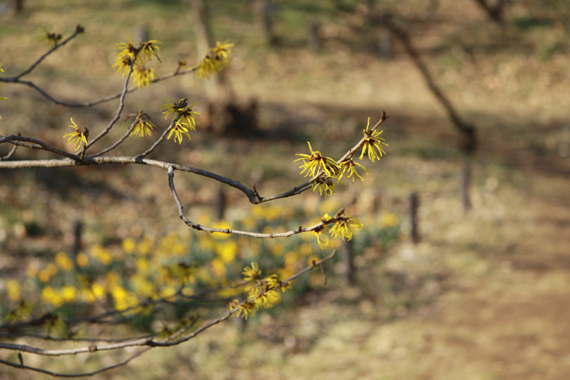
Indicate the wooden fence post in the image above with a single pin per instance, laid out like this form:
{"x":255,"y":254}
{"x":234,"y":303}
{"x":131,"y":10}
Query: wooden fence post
{"x":465,"y":184}
{"x":414,"y":223}
{"x":314,"y":36}
{"x":347,"y":262}
{"x":221,"y":203}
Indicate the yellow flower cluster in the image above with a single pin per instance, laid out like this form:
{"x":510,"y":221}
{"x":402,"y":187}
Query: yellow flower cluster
{"x":137,"y":270}
{"x":315,"y":163}
{"x":186,"y":119}
{"x":216,"y":60}
{"x":338,"y":227}
{"x":143,"y":76}
{"x":130,"y":55}
{"x":143,"y":125}
{"x":373,"y":144}
{"x":264,"y":293}
{"x":324,"y":169}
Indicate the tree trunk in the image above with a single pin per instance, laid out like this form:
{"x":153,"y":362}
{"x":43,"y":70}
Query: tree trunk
{"x":494,"y":9}
{"x":17,"y":6}
{"x":347,"y":261}
{"x":265,"y":10}
{"x":224,"y":114}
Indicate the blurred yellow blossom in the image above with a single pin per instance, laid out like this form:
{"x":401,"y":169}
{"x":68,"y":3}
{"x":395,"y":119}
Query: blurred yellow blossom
{"x":126,"y":48}
{"x":63,"y":261}
{"x":113,"y":279}
{"x":142,"y":286}
{"x":14,"y":291}
{"x":387,"y":219}
{"x":149,"y":49}
{"x":68,"y":293}
{"x":32,"y":269}
{"x":216,"y":60}
{"x":219,"y":268}
{"x":82,"y":260}
{"x":167,"y":291}
{"x":323,"y":237}
{"x":49,"y":295}
{"x":145,"y":245}
{"x":143,"y":76}
{"x":142,"y":265}
{"x":251,"y":273}
{"x":123,"y":299}
{"x":291,"y":260}
{"x":312,"y":260}
{"x":129,"y":245}
{"x":227,"y":250}
{"x":45,"y":274}
{"x":102,"y":254}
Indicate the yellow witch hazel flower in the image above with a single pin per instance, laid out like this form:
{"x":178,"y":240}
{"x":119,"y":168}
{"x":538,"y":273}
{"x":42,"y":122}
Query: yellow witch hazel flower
{"x":246,"y":308}
{"x":143,"y":125}
{"x":373,"y":144}
{"x":263,"y":294}
{"x":348,"y":169}
{"x":326,"y":186}
{"x":123,"y":63}
{"x":149,"y":49}
{"x":251,"y":273}
{"x":78,"y":137}
{"x":186,"y":120}
{"x":127,"y":49}
{"x":323,"y":237}
{"x":143,"y":76}
{"x":344,"y":227}
{"x":267,"y":299}
{"x":315,"y":161}
{"x":216,"y":60}
{"x":144,"y":53}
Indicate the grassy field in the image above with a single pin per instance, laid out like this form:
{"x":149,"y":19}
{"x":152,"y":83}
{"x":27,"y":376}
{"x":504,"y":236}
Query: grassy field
{"x":483,"y":296}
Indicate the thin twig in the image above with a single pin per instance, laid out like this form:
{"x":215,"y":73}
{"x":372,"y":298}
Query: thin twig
{"x":118,"y":142}
{"x":78,"y":30}
{"x":85,"y":374}
{"x":92,"y":103}
{"x":252,"y":195}
{"x":32,"y":143}
{"x":199,"y":227}
{"x":10,"y":153}
{"x":160,"y":139}
{"x":121,"y":104}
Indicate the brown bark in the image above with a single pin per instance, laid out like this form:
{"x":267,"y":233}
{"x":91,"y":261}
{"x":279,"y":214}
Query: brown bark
{"x":467,"y":131}
{"x":224,"y":114}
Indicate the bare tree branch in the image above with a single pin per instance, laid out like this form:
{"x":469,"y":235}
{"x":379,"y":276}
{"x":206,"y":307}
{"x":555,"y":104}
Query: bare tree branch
{"x":85,"y":374}
{"x":78,"y":30}
{"x":121,"y":104}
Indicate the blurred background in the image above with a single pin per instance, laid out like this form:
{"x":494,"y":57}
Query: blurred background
{"x":462,"y":269}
